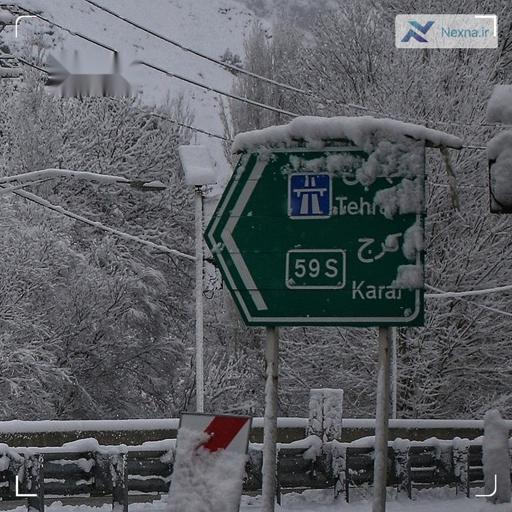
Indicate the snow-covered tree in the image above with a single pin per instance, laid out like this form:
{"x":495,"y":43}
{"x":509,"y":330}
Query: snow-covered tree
{"x":112,"y":319}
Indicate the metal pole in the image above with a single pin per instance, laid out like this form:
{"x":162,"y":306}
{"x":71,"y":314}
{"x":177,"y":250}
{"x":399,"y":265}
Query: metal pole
{"x":199,"y":300}
{"x":394,"y":373}
{"x":382,"y":423}
{"x":270,"y":421}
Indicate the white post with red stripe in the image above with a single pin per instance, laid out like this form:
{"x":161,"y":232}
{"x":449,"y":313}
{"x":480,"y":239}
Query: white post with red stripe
{"x":270,"y":421}
{"x":211,"y":454}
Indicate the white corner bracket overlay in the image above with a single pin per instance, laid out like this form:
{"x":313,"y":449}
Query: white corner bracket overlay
{"x":493,"y":493}
{"x":18,"y":20}
{"x":493,"y":17}
{"x":18,"y":495}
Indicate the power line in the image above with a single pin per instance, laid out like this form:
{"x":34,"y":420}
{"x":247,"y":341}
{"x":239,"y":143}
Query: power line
{"x":180,"y":123}
{"x":194,"y":128}
{"x":69,"y":31}
{"x":29,"y":64}
{"x":469,"y":293}
{"x":187,"y":49}
{"x":257,"y":76}
{"x":253,"y":75}
{"x":184,"y":125}
{"x":23,"y":61}
{"x":98,"y":225}
{"x":168,"y":73}
{"x":240,"y":98}
{"x":476,"y":148}
{"x":154,"y":114}
{"x":225,"y":65}
{"x":218,"y":91}
{"x":473,"y":303}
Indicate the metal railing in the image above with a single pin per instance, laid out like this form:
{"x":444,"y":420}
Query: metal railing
{"x":85,"y":468}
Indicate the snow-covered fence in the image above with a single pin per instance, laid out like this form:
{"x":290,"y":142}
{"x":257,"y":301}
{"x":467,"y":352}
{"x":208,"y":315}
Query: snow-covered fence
{"x":85,"y":468}
{"x":460,"y":457}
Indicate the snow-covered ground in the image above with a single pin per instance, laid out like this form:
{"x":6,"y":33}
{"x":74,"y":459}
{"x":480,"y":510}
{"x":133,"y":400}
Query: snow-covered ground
{"x":442,"y":500}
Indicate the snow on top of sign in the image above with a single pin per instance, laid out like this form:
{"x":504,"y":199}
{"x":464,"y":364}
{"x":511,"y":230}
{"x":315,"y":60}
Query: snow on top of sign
{"x":409,"y":277}
{"x":499,"y":150}
{"x":499,"y":108}
{"x":413,"y":241}
{"x":403,"y":198}
{"x":363,"y":131}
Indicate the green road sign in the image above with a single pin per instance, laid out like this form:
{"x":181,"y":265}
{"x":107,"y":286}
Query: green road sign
{"x":300,"y":241}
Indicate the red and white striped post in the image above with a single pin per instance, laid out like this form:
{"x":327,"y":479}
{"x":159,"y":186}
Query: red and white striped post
{"x":211,"y":454}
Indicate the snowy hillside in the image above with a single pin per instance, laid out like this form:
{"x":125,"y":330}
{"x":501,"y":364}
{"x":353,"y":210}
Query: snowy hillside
{"x":210,"y":26}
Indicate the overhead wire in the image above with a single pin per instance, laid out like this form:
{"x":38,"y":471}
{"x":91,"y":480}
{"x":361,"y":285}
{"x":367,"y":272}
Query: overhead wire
{"x":218,"y":91}
{"x":442,"y":294}
{"x":182,"y":124}
{"x":98,"y":225}
{"x":23,"y":61}
{"x":227,"y":94}
{"x":282,"y":85}
{"x":151,"y":113}
{"x":225,"y":65}
{"x":469,"y":293}
{"x":69,"y":31}
{"x":168,"y":118}
{"x":253,"y":75}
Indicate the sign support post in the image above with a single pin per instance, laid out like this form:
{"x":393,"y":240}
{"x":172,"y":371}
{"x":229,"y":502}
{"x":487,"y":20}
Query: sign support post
{"x":394,"y":372}
{"x":270,"y":421}
{"x":382,"y":422}
{"x":198,"y":200}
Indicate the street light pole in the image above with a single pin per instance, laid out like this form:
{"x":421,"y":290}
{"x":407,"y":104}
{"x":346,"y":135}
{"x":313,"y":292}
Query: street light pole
{"x":199,"y":170}
{"x":198,"y":202}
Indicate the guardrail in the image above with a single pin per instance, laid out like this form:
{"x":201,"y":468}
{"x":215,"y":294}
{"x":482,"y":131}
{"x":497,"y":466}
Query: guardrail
{"x":323,"y":451}
{"x":87,"y":468}
{"x":325,"y":420}
{"x":136,"y":432}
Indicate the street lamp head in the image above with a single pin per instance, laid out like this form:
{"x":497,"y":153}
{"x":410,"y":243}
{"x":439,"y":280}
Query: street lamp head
{"x":148,"y":186}
{"x":197,"y":165}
